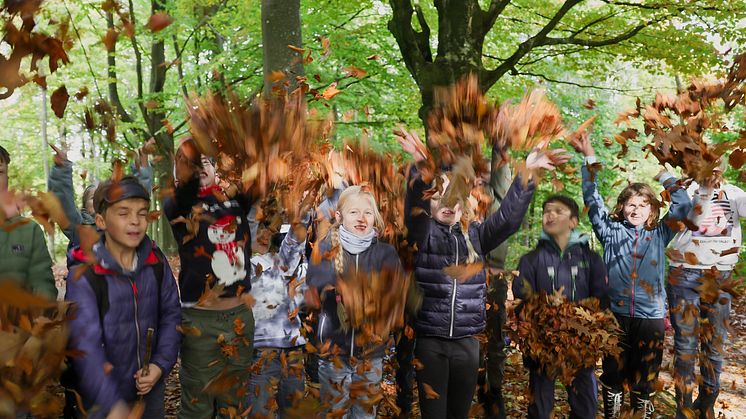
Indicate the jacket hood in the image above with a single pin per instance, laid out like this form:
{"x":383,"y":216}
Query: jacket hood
{"x":576,"y":239}
{"x":105,"y":263}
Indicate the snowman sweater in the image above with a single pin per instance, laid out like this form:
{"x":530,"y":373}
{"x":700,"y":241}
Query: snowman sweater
{"x":214,"y":239}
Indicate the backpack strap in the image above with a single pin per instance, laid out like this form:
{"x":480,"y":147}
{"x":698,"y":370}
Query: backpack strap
{"x":100,"y":291}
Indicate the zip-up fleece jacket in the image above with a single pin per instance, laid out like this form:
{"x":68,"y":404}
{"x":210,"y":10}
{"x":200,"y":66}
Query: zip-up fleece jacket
{"x":24,"y":256}
{"x":378,"y":257}
{"x":117,"y":336}
{"x":635,"y":256}
{"x":578,"y":271}
{"x":453,"y":309}
{"x":277,"y":323}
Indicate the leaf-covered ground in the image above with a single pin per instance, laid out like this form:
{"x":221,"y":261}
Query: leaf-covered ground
{"x":731,"y":403}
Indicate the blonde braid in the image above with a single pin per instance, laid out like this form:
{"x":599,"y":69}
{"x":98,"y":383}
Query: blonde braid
{"x":339,"y":256}
{"x":472,"y":255}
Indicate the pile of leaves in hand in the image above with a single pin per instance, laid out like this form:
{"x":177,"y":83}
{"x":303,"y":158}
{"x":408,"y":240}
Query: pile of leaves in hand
{"x":373,"y":303}
{"x":33,"y":341}
{"x":565,"y":337}
{"x":678,"y":126}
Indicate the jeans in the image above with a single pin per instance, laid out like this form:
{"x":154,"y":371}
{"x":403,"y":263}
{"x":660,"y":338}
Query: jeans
{"x":697,"y":324}
{"x":272,"y":387}
{"x":354,"y":388}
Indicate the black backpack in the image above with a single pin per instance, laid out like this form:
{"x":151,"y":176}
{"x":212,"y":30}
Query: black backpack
{"x":69,"y":378}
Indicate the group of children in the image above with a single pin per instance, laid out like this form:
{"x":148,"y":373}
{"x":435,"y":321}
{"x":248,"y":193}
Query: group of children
{"x":134,"y":319}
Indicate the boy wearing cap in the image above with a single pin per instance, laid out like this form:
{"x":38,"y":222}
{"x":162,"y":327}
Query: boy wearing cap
{"x":127,"y":308}
{"x":214,"y":239}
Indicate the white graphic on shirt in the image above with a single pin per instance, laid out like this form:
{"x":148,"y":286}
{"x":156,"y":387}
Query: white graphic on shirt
{"x":228,"y":258}
{"x":719,"y":221}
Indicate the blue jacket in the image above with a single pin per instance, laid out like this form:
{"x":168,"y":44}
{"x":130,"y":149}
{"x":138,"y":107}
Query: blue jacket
{"x":635,"y":256}
{"x":379,"y":256}
{"x":451,"y":309}
{"x":578,"y":271}
{"x":135,"y":303}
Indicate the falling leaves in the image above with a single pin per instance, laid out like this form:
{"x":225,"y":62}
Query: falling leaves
{"x":355,"y":72}
{"x":159,"y":21}
{"x":463,"y":272}
{"x":331,"y":91}
{"x":59,"y":101}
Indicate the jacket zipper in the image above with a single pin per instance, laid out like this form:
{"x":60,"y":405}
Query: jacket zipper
{"x":634,"y":274}
{"x":352,"y":341}
{"x":453,"y":292}
{"x":321,"y":329}
{"x":137,"y":323}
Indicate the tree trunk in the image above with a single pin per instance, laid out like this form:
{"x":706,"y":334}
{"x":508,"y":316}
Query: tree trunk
{"x":280,"y":28}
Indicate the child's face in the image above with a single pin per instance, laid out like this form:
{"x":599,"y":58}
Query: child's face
{"x":557,"y":219}
{"x":262,"y":239}
{"x":125,"y":222}
{"x":357,"y":216}
{"x":637,"y":210}
{"x":442,"y":214}
{"x":207,"y":173}
{"x":3,"y":176}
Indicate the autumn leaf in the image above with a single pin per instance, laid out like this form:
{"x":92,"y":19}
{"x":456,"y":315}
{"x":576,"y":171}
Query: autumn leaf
{"x":159,"y":21}
{"x":691,"y":258}
{"x":355,"y":72}
{"x":737,"y":159}
{"x":429,"y":392}
{"x":373,"y":57}
{"x":238,"y":326}
{"x":463,"y":273}
{"x":59,"y":100}
{"x":589,"y":104}
{"x":110,"y":39}
{"x":331,"y":91}
{"x":297,"y":49}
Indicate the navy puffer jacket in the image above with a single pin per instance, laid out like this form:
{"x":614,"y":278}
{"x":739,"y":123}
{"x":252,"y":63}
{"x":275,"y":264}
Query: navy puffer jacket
{"x":378,"y":257}
{"x":453,"y":309}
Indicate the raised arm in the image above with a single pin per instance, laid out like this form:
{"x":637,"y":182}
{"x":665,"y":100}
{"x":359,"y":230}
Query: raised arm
{"x":416,"y":208}
{"x":681,"y":203}
{"x":60,"y":183}
{"x":508,"y":218}
{"x":597,"y":211}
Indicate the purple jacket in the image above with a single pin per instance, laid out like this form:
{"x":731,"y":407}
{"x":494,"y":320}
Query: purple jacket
{"x":135,"y":303}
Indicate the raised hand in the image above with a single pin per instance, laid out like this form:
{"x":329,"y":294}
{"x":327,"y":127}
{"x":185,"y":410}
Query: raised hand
{"x":187,"y":162}
{"x":410,"y":142}
{"x":142,"y":153}
{"x":582,"y":144}
{"x":60,"y":156}
{"x":547,"y":159}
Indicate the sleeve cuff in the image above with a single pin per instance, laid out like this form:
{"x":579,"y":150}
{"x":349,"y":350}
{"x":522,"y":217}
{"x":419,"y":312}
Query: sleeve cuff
{"x":666,"y":177}
{"x":590,"y":160}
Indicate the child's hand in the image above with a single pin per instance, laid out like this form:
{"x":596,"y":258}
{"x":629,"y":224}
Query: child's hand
{"x":187,"y":162}
{"x":583,"y":145}
{"x":411,"y":143}
{"x":142,"y":153}
{"x":145,"y":383}
{"x":60,"y":156}
{"x":548,"y":159}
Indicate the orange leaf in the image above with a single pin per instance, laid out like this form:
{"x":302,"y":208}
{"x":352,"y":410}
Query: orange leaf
{"x":429,"y":392}
{"x":110,"y":39}
{"x":159,"y":21}
{"x":463,"y":272}
{"x":355,"y":72}
{"x":331,"y":91}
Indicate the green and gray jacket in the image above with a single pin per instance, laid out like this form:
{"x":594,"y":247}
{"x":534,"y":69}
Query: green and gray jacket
{"x":24,"y":257}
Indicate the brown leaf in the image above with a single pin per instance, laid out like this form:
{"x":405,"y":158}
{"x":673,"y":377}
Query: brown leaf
{"x":463,"y":273}
{"x":159,"y":21}
{"x":355,"y":72}
{"x":59,"y":101}
{"x":737,"y":159}
{"x":110,"y":39}
{"x":429,"y":392}
{"x":331,"y":91}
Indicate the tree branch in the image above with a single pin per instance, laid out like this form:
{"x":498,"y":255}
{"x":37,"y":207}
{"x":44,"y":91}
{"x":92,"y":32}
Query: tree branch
{"x":350,"y":19}
{"x":489,"y":77}
{"x":423,"y":38}
{"x":111,"y":72}
{"x":576,"y":84}
{"x":596,"y":42}
{"x":406,"y":37}
{"x":138,"y":64}
{"x":490,"y":16}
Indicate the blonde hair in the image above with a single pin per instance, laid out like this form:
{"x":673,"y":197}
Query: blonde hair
{"x":343,"y":201}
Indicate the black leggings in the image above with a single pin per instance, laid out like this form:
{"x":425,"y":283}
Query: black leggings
{"x":450,"y":369}
{"x":642,"y":354}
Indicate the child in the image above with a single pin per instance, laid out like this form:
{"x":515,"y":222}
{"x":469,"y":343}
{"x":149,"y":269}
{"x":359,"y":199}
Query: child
{"x":354,"y":236}
{"x":717,"y":209}
{"x":213,"y":235}
{"x":562,"y":260}
{"x":277,"y":381}
{"x":60,"y":183}
{"x":126,"y":292}
{"x":634,"y":244}
{"x":23,"y":248}
{"x":453,"y":312}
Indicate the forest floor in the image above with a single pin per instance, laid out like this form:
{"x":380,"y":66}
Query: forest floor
{"x":731,"y":402}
